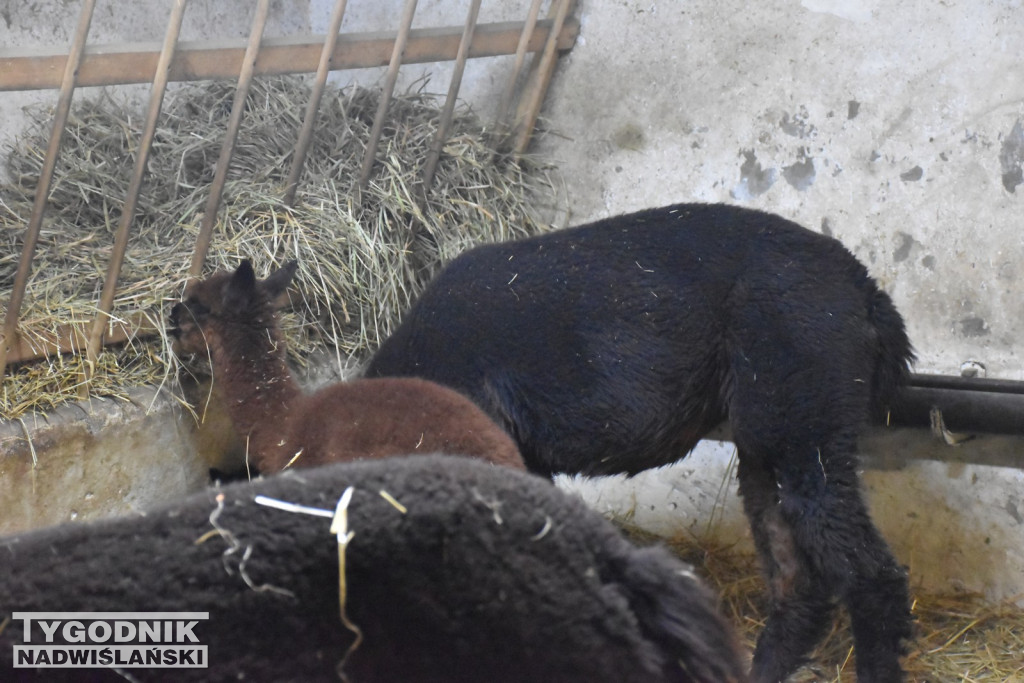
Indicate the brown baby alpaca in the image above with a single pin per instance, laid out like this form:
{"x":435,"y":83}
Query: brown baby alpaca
{"x":231,"y":318}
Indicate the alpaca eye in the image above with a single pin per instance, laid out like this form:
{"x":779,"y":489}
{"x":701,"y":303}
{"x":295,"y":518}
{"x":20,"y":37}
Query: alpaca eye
{"x":197,"y":309}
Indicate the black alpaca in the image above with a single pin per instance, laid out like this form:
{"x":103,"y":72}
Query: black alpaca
{"x":615,"y":346}
{"x":486,"y":575}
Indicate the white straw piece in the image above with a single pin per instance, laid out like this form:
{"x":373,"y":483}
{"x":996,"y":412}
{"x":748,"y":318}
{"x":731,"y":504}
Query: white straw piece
{"x":292,"y":507}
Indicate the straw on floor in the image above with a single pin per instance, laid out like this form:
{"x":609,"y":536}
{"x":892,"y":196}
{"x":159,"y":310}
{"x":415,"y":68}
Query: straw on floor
{"x":960,"y":636}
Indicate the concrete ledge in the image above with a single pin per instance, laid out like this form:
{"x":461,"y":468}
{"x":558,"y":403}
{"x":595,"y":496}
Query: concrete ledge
{"x":953,"y":514}
{"x":94,"y":459}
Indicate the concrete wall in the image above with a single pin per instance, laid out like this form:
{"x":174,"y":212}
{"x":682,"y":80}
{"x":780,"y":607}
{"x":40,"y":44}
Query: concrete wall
{"x":896,"y":127}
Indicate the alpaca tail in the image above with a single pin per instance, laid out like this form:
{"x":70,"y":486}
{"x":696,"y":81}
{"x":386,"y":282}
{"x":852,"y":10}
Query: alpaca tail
{"x":895,"y":353}
{"x":679,"y":614}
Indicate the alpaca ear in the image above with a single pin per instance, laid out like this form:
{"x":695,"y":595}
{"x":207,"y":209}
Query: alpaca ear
{"x":238,"y":292}
{"x":278,"y":281}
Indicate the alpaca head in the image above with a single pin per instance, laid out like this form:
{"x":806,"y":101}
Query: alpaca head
{"x":226,"y":300}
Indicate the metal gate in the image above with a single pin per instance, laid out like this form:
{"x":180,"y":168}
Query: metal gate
{"x":539,"y":38}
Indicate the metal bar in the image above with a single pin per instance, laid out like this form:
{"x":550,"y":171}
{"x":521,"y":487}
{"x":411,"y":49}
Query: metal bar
{"x":227,"y":149}
{"x":60,"y":118}
{"x":309,"y":123}
{"x":387,"y":91}
{"x":963,"y":410}
{"x":135,"y":185}
{"x":999,"y":386}
{"x":967,"y":404}
{"x":501,"y":124}
{"x":447,"y":112}
{"x":534,"y":95}
{"x":33,"y":68}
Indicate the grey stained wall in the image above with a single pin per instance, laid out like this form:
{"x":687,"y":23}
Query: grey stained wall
{"x":896,"y":127}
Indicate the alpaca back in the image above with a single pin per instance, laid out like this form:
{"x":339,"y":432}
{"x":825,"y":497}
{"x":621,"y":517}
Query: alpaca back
{"x":379,"y":418}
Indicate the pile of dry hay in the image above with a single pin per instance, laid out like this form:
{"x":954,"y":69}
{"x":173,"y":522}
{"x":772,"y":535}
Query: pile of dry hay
{"x":960,"y":636}
{"x":360,"y":265}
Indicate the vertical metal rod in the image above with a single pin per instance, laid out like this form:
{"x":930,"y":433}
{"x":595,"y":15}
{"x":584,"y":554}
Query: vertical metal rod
{"x":227,"y":149}
{"x":388,"y":90}
{"x":67,"y":91}
{"x":309,"y":123}
{"x":453,"y":93}
{"x":501,"y":123}
{"x":135,"y":185}
{"x":542,"y":76}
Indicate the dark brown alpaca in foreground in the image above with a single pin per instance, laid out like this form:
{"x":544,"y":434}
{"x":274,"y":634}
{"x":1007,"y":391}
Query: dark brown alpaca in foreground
{"x":490,"y":576}
{"x":231,"y":317}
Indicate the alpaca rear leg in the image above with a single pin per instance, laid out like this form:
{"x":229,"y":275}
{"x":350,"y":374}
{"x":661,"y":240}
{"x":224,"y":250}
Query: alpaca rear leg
{"x":795,"y":626}
{"x":880,"y":618}
{"x":831,"y":527}
{"x":801,"y":606}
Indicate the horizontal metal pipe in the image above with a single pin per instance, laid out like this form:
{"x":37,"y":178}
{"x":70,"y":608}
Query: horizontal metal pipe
{"x":963,"y":409}
{"x":998,"y":386}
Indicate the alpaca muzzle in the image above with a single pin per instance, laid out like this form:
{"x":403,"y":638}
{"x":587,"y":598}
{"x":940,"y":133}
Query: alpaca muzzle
{"x":174,"y":320}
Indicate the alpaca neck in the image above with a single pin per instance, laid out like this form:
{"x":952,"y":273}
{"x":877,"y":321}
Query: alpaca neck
{"x":259,"y":389}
